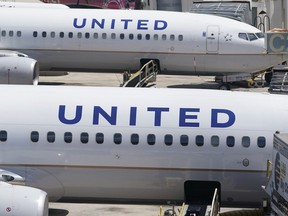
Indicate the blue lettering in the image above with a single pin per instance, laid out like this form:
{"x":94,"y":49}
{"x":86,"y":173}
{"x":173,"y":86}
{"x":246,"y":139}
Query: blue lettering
{"x":142,"y":24}
{"x":110,"y":118}
{"x":126,"y":21}
{"x":184,"y":116}
{"x":79,"y":26}
{"x":215,"y":121}
{"x":188,"y":117}
{"x":113,"y":24}
{"x":158,"y":111}
{"x":64,"y":120}
{"x":99,"y":24}
{"x":133,"y":113}
{"x":160,"y":25}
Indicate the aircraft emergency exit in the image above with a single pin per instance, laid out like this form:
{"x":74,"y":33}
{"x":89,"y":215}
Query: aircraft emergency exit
{"x":121,"y":40}
{"x":140,"y":145}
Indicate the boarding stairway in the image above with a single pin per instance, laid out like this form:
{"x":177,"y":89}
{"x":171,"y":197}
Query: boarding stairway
{"x":141,"y":78}
{"x":202,"y":198}
{"x":279,"y":81}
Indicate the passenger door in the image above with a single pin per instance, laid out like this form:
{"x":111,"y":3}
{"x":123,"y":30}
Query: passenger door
{"x":212,"y":39}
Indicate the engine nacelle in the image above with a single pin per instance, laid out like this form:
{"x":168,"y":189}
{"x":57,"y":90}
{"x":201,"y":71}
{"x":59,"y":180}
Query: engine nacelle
{"x":19,"y":200}
{"x":19,"y":70}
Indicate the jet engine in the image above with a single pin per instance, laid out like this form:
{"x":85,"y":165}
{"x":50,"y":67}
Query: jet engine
{"x":19,"y":70}
{"x":22,"y":201}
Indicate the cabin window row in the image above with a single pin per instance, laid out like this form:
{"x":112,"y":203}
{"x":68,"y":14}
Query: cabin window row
{"x":151,"y":139}
{"x":95,"y":35}
{"x":11,"y":33}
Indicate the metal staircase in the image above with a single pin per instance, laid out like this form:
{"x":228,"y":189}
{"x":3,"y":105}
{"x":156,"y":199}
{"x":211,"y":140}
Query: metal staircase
{"x":279,"y":81}
{"x":141,"y":78}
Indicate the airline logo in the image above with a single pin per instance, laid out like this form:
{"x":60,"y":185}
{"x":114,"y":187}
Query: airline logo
{"x":125,"y":24}
{"x":277,"y":42}
{"x":187,"y":117}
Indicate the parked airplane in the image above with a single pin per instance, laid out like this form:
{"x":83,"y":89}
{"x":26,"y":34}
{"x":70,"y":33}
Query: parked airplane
{"x":115,"y":145}
{"x":5,"y":4}
{"x":119,"y":40}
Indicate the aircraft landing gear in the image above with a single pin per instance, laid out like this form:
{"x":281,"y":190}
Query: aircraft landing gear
{"x":253,"y":84}
{"x":224,"y":86}
{"x":268,"y":77}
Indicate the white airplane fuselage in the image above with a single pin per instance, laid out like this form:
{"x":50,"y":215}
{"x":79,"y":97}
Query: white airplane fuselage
{"x":140,"y":145}
{"x":118,"y":40}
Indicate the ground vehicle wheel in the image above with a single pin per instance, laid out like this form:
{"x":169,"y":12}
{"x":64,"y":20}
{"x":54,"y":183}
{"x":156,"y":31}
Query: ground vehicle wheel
{"x":224,"y":86}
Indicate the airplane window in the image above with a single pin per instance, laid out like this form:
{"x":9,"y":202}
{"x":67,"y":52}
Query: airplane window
{"x":245,"y":141}
{"x":151,"y":139}
{"x":131,"y":36}
{"x":168,"y":139}
{"x":117,"y":138}
{"x":243,"y":36}
{"x":199,"y":140}
{"x":51,"y":137}
{"x":180,"y":37}
{"x":35,"y":34}
{"x":184,"y":139}
{"x":104,"y":35}
{"x":68,"y":137}
{"x":11,"y":33}
{"x":164,"y":37}
{"x":52,"y":34}
{"x":79,"y":35}
{"x":18,"y":33}
{"x":147,"y":36}
{"x":215,"y":141}
{"x":261,"y":142}
{"x":99,"y":138}
{"x":61,"y":34}
{"x":3,"y":33}
{"x":230,"y":141}
{"x":95,"y":35}
{"x":172,"y":37}
{"x":3,"y":135}
{"x":139,"y":36}
{"x":122,"y":36}
{"x":113,"y":36}
{"x":34,"y":136}
{"x":155,"y":37}
{"x":252,"y":36}
{"x":260,"y":35}
{"x":44,"y":34}
{"x":87,"y":35}
{"x":84,"y":137}
{"x":135,"y":139}
{"x":70,"y":35}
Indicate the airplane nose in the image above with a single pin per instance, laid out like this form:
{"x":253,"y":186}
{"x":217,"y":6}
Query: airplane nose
{"x":260,"y":45}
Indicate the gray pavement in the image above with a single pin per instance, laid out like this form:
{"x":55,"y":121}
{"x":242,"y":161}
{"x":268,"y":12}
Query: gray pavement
{"x":115,"y":80}
{"x":80,"y":209}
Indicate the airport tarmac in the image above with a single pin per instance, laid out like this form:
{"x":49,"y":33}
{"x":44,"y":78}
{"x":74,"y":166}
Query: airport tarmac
{"x":162,"y":81}
{"x":115,"y":80}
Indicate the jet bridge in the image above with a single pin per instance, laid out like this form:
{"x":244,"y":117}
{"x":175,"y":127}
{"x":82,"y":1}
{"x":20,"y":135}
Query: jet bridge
{"x":141,"y":78}
{"x":238,"y":10}
{"x":278,"y":176}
